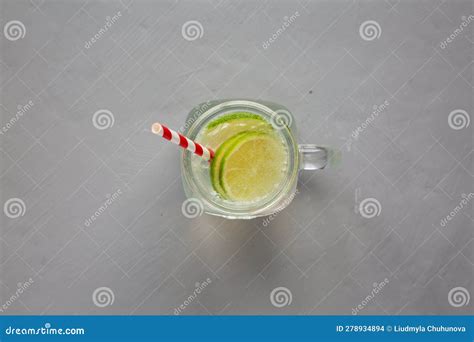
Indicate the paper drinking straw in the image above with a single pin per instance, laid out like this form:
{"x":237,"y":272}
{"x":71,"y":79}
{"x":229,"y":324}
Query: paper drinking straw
{"x":182,"y":141}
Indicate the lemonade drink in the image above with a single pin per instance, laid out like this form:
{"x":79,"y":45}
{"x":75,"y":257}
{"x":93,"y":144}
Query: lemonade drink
{"x":250,"y":162}
{"x":254,"y":171}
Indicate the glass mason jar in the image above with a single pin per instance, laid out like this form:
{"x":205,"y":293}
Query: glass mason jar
{"x":195,"y":175}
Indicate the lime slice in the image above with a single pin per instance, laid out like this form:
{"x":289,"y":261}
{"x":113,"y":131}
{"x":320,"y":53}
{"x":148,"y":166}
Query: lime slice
{"x":252,"y":166}
{"x":227,"y":126}
{"x":216,"y":161}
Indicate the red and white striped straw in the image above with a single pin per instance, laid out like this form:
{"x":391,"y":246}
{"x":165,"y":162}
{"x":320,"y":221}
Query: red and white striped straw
{"x":182,"y":141}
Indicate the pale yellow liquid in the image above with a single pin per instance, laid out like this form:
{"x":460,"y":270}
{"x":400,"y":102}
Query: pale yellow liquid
{"x":214,"y":137}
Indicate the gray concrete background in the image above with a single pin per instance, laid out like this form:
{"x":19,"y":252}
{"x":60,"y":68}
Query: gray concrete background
{"x":142,"y":255}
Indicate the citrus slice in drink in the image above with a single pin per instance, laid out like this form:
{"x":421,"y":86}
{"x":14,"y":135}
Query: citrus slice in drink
{"x":228,"y":125}
{"x":216,"y":161}
{"x":252,"y":166}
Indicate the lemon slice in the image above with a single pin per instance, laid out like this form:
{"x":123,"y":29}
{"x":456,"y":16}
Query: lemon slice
{"x":252,"y":166}
{"x":227,"y":126}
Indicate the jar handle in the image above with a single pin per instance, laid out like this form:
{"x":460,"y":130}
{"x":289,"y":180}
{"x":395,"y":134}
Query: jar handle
{"x":313,"y":157}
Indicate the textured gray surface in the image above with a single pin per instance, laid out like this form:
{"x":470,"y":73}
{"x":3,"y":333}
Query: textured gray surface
{"x":321,"y":248}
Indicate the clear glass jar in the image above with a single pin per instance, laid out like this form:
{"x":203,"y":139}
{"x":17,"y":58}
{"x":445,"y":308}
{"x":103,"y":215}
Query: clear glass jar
{"x":196,"y":180}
